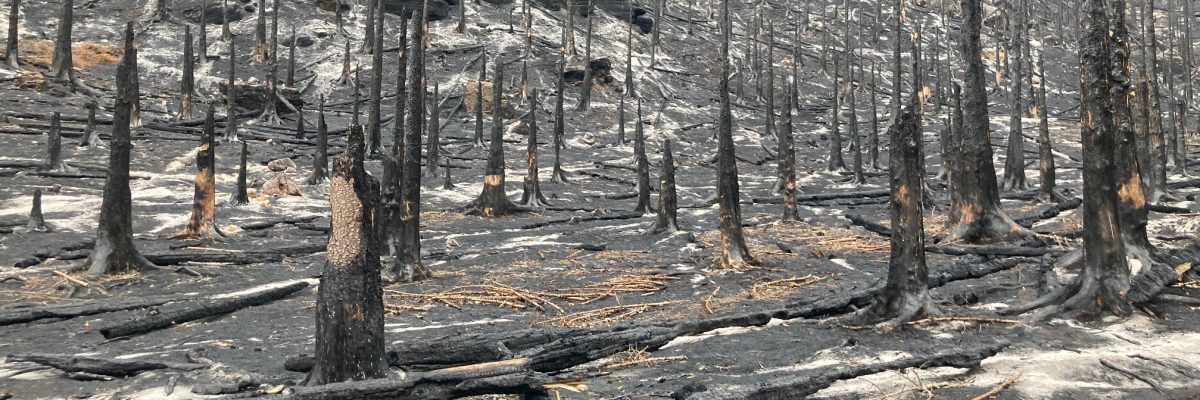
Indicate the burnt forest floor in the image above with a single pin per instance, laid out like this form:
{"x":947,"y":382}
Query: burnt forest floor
{"x":582,"y":262}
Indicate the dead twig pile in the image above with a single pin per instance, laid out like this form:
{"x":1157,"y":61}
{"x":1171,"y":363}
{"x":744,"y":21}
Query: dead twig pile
{"x":639,"y":357}
{"x":781,"y":287}
{"x":600,"y":316}
{"x":518,"y":298}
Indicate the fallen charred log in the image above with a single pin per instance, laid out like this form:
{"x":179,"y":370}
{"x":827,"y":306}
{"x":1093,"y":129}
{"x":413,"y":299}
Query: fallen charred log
{"x":99,"y":366}
{"x":501,"y":377}
{"x":91,"y":307}
{"x":200,"y":310}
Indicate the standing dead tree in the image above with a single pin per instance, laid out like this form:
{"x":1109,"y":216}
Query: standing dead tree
{"x":62,"y":65}
{"x":291,"y":67}
{"x":478,"y":138}
{"x":787,"y":162}
{"x":873,"y":136}
{"x":90,"y":137}
{"x":734,"y":253}
{"x":368,"y":46}
{"x":202,"y":224}
{"x":1014,"y":162}
{"x":300,"y":135}
{"x":54,"y":159}
{"x":231,"y":98}
{"x":37,"y":222}
{"x":852,"y":129}
{"x":406,"y":263}
{"x":374,"y":128}
{"x":187,"y":85}
{"x":975,"y":213}
{"x":270,"y":115}
{"x":433,"y":148}
{"x":493,"y":201}
{"x":628,"y":51}
{"x":557,"y":174}
{"x":10,"y":48}
{"x":261,"y":53}
{"x":320,"y":158}
{"x":240,"y":196}
{"x":1046,"y":187}
{"x":531,"y":195}
{"x":836,"y":162}
{"x":226,"y":34}
{"x":585,"y":97}
{"x":668,"y":201}
{"x":114,"y":251}
{"x":349,"y":334}
{"x":643,"y":165}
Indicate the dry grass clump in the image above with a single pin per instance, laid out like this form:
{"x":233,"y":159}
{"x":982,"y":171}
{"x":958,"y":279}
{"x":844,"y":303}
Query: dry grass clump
{"x":601,"y":316}
{"x":501,"y":295}
{"x":61,"y":285}
{"x":84,"y":55}
{"x":782,"y":287}
{"x":639,"y":357}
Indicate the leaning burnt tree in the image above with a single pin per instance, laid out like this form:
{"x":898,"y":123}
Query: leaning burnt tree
{"x":10,"y":48}
{"x":406,"y":263}
{"x":1117,"y":271}
{"x":203,"y":222}
{"x":349,"y":334}
{"x":493,"y":201}
{"x":975,"y":213}
{"x":114,"y":251}
{"x":531,"y":194}
{"x":734,"y":253}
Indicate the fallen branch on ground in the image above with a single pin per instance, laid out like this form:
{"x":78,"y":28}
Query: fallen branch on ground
{"x":99,"y":366}
{"x":999,"y":387}
{"x":202,"y":310}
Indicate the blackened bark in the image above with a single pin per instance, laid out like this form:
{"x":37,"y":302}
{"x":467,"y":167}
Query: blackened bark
{"x":300,"y":123}
{"x":1014,"y":162}
{"x":531,"y":195}
{"x":114,"y":251}
{"x":621,"y":122}
{"x":291,"y":66}
{"x":658,"y":24}
{"x":557,"y":175}
{"x":369,"y":36}
{"x":629,"y":51}
{"x":54,"y":159}
{"x":239,"y":195}
{"x":836,"y":163}
{"x":975,"y":213}
{"x":226,"y":34}
{"x":478,"y":141}
{"x":585,"y":97}
{"x":462,"y":17}
{"x":202,"y":224}
{"x":527,"y":51}
{"x":188,"y":84}
{"x":260,"y":53}
{"x":787,"y":163}
{"x":270,"y":114}
{"x":406,"y":263}
{"x":62,"y":66}
{"x":1158,"y":138}
{"x":1046,"y":188}
{"x":346,"y":76}
{"x":734,"y":253}
{"x":357,"y":99}
{"x":37,"y":223}
{"x":10,"y":48}
{"x":873,"y":137}
{"x":852,"y":128}
{"x":349,"y":334}
{"x":433,"y":149}
{"x":668,"y":202}
{"x":231,"y":98}
{"x":90,"y":137}
{"x":769,"y":85}
{"x":493,"y":201}
{"x":643,"y":165}
{"x":374,"y":128}
{"x":320,"y":158}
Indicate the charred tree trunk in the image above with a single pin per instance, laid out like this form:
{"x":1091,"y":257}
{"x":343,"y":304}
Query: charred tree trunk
{"x":905,"y":296}
{"x":357,"y":99}
{"x":855,"y":141}
{"x":557,"y":175}
{"x":1047,"y":191}
{"x":621,"y":122}
{"x":433,"y":149}
{"x":531,"y":195}
{"x":10,"y":48}
{"x":226,"y":34}
{"x":300,"y":135}
{"x":261,"y":52}
{"x":90,"y":137}
{"x":493,"y":201}
{"x":291,"y":66}
{"x":270,"y":115}
{"x":734,"y":253}
{"x":628,"y":51}
{"x":643,"y":165}
{"x":320,"y":158}
{"x":54,"y":159}
{"x":62,"y":66}
{"x":1014,"y":162}
{"x":478,"y":141}
{"x":188,"y":83}
{"x":347,"y":74}
{"x":114,"y":251}
{"x":975,"y":213}
{"x":406,"y":264}
{"x":873,"y":137}
{"x":374,"y":128}
{"x":231,"y":97}
{"x":239,"y":195}
{"x":349,"y":334}
{"x":37,"y":223}
{"x":527,"y":51}
{"x":585,"y":96}
{"x":203,"y":222}
{"x":836,"y":163}
{"x":668,"y":202}
{"x":787,"y":163}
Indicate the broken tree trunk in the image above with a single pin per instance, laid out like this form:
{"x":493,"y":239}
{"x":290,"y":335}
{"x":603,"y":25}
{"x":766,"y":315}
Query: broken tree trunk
{"x":320,"y":156}
{"x":787,"y":163}
{"x":121,"y":368}
{"x":90,"y":137}
{"x":10,"y":48}
{"x":349,"y":334}
{"x":668,"y":201}
{"x":188,"y":83}
{"x":203,"y":223}
{"x":54,"y":159}
{"x":643,"y":165}
{"x":406,"y":262}
{"x":240,"y":196}
{"x":84,"y":308}
{"x":114,"y":251}
{"x":201,"y":310}
{"x":493,"y":201}
{"x":36,"y":222}
{"x":733,"y":254}
{"x":62,"y":66}
{"x":531,"y":195}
